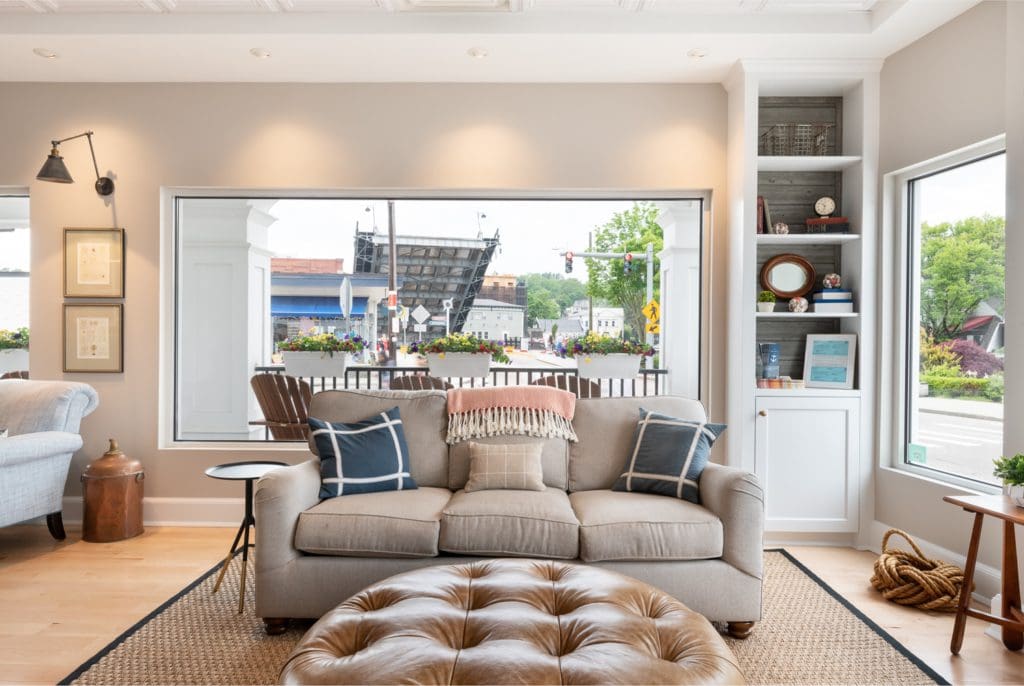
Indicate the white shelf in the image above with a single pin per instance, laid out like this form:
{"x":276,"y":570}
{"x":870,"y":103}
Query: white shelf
{"x":808,"y":315}
{"x":807,"y":238}
{"x":806,"y":393}
{"x":806,"y":163}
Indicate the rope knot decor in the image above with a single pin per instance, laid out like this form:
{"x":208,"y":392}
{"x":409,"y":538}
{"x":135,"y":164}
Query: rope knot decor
{"x":913,"y":579}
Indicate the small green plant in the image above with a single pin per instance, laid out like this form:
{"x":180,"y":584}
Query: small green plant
{"x":14,"y":340}
{"x":461,"y":343}
{"x":766,"y":297}
{"x":322,"y":342}
{"x":1010,"y":469}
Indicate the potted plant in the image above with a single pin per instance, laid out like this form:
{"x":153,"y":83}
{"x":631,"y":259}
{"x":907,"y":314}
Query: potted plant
{"x":599,"y":356}
{"x":1011,"y":471}
{"x":318,"y":354}
{"x":460,"y":355}
{"x":766,"y":301}
{"x":13,"y":350}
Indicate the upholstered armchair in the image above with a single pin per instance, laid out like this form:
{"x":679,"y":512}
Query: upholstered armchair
{"x":42,"y":419}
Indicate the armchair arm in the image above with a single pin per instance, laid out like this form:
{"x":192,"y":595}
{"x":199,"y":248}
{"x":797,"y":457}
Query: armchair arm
{"x":28,"y":447}
{"x":736,"y":497}
{"x":281,"y":496}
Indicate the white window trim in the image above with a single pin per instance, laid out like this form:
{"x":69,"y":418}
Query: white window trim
{"x":168,"y":255}
{"x":894,"y":312}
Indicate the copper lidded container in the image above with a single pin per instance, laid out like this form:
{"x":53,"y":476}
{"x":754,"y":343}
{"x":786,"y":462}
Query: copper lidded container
{"x":112,"y":490}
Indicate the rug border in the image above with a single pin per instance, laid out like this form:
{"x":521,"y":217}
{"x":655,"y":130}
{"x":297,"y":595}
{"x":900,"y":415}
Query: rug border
{"x":899,"y":647}
{"x":127,"y":633}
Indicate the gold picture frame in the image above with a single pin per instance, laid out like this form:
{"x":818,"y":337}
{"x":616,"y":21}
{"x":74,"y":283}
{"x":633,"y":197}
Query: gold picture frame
{"x":94,"y":337}
{"x":94,"y":264}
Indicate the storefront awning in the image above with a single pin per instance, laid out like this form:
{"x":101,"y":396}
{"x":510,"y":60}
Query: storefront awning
{"x":314,"y":307}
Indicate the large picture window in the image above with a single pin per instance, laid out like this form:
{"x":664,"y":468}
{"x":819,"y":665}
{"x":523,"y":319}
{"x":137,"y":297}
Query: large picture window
{"x":14,"y":280}
{"x":956,"y":282}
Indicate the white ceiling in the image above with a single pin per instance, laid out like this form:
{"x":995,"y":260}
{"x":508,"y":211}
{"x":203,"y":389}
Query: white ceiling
{"x":427,"y":40}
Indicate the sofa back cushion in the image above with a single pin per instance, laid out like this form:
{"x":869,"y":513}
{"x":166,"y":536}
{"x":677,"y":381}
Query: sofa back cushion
{"x":32,"y":406}
{"x":554,"y":457}
{"x":424,"y":419}
{"x":606,"y":428}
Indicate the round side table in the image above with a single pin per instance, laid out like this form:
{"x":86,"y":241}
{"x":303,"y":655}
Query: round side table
{"x":248,"y":472}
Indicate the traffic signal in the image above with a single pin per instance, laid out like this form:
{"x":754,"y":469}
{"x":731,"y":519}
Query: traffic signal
{"x":627,"y":263}
{"x":568,"y":262}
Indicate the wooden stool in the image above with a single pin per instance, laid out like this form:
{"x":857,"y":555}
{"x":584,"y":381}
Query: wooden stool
{"x":1011,"y":618}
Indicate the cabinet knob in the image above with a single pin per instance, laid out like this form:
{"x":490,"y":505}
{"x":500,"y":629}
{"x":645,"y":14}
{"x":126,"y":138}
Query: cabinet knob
{"x":763,"y":413}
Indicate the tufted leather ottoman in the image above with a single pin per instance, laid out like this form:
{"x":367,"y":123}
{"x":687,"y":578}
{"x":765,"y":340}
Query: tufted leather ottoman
{"x":511,"y":621}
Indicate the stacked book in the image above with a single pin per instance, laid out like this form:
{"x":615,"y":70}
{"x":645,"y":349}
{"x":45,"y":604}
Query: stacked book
{"x":783,"y":382}
{"x":833,"y":301}
{"x":828,"y":225}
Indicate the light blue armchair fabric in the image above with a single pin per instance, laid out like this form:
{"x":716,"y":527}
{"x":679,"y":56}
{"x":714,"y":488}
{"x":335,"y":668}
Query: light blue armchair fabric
{"x":42,"y":418}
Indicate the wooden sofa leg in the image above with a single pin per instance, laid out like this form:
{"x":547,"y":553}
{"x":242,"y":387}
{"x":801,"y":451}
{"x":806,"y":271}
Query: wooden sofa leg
{"x":740,"y":630}
{"x":275,"y":625}
{"x":55,"y":523}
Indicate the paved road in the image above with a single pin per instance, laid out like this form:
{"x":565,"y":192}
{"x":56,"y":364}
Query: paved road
{"x":963,"y":445}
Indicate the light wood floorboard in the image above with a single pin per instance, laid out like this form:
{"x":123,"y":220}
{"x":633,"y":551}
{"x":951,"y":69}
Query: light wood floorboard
{"x":62,"y":602}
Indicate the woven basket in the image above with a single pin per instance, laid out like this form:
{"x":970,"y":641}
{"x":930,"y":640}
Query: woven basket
{"x":915,"y":580}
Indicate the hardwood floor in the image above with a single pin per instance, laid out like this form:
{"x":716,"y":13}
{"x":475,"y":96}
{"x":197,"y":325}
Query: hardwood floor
{"x":62,"y":602}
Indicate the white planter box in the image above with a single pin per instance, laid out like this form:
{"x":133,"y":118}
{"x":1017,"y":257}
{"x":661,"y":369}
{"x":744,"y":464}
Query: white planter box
{"x":305,"y":364}
{"x":13,"y":360}
{"x":1014,"y":493}
{"x":458,"y":365}
{"x":614,"y":366}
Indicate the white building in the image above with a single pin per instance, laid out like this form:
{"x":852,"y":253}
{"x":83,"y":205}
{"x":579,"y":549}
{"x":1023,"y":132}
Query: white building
{"x":494,"y":320}
{"x":607,"y":320}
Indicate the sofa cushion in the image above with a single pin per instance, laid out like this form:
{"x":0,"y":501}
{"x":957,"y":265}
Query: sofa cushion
{"x":390,"y":524}
{"x":668,"y":456}
{"x":424,"y":418}
{"x":606,"y":428}
{"x":367,"y":456}
{"x":507,"y":466}
{"x":554,"y":459}
{"x":637,"y":526}
{"x":510,"y":523}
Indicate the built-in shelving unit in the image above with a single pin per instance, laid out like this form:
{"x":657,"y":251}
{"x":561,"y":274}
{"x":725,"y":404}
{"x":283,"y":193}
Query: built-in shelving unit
{"x":804,"y":163}
{"x":806,"y":238}
{"x":805,"y":393}
{"x":807,"y":315}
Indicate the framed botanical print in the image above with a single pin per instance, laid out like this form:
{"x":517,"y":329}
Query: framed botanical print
{"x":94,"y":337}
{"x":93,"y":263}
{"x":829,"y":360}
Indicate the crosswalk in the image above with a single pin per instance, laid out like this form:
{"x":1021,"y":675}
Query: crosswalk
{"x":959,"y":434}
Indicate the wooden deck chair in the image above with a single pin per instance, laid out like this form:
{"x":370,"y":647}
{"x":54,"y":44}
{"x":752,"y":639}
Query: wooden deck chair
{"x":285,"y":403}
{"x":418,"y":382}
{"x":583,"y":388}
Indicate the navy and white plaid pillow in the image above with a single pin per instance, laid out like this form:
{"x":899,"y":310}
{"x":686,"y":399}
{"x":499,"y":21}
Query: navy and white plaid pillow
{"x":362,"y":457}
{"x":668,"y":456}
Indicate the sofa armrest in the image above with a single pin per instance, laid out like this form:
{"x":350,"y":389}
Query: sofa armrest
{"x":34,"y":446}
{"x":736,"y":497}
{"x":281,"y":496}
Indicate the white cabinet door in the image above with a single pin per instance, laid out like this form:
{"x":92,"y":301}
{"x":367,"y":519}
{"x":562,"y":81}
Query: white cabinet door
{"x":807,"y":457}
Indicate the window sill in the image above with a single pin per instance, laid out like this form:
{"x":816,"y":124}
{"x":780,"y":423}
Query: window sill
{"x":942,"y":480}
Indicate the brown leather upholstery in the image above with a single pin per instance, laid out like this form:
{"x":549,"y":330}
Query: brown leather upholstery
{"x":284,"y":401}
{"x":511,"y":622}
{"x":22,"y":374}
{"x":418,"y":382}
{"x":583,"y":388}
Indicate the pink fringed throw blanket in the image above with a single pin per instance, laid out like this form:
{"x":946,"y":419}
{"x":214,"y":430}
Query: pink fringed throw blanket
{"x":539,"y":411}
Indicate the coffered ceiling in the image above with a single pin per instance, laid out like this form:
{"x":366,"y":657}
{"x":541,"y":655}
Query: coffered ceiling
{"x":443,"y":40}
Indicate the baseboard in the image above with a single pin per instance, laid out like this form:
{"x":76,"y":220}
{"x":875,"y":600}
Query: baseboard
{"x":781,"y":539}
{"x":175,"y":511}
{"x":986,"y":579}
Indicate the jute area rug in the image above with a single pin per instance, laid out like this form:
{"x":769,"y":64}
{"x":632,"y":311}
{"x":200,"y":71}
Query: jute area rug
{"x":809,"y":635}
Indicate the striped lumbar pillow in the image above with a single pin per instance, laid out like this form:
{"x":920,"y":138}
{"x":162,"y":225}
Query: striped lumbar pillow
{"x":668,"y":456}
{"x":362,"y":457}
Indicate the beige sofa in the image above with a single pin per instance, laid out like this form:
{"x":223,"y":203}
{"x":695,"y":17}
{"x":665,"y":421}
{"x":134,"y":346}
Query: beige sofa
{"x":313,"y":554}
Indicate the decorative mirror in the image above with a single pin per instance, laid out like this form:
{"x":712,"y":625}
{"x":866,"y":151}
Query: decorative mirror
{"x":787,"y":276}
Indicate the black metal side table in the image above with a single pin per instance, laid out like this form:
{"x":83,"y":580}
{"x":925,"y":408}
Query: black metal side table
{"x":248,"y":472}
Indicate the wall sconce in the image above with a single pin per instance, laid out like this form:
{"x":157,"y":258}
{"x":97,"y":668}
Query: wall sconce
{"x":56,"y":171}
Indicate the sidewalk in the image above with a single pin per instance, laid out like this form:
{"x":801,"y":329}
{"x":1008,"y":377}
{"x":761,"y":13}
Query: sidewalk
{"x":957,"y":407}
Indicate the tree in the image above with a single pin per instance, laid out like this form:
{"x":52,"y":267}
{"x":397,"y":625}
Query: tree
{"x":540,"y":305}
{"x":564,"y":291}
{"x":962,"y":264}
{"x":628,"y":231}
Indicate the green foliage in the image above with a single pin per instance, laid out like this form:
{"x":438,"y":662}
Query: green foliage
{"x":766,"y":297}
{"x":461,"y":343}
{"x":540,"y":305}
{"x":995,"y":389}
{"x":602,"y":344}
{"x":962,"y":264}
{"x":563,"y":291}
{"x":14,"y":340}
{"x":962,"y":386}
{"x":1010,"y":469}
{"x":322,"y":342}
{"x":937,"y":359}
{"x":628,"y":231}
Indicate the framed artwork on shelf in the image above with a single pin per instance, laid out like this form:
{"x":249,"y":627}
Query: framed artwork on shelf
{"x":93,"y":263}
{"x":94,"y":337}
{"x":829,"y":360}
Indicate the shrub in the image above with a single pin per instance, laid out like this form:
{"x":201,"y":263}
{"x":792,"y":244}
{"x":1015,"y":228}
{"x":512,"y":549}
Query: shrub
{"x":995,"y":388}
{"x":14,"y":340}
{"x":937,"y":358}
{"x":955,"y":386}
{"x":974,"y":359}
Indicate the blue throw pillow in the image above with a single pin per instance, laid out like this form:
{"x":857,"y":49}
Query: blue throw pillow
{"x":362,"y":457}
{"x":668,"y":456}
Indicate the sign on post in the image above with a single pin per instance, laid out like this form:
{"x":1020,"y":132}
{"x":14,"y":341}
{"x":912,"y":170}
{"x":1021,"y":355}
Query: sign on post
{"x":652,"y":310}
{"x":420,"y":314}
{"x":419,"y":328}
{"x":392,"y":300}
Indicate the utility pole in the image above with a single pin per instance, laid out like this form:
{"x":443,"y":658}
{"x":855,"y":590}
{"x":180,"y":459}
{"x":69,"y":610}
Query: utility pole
{"x":392,"y":283}
{"x":590,"y":309}
{"x":649,"y":296}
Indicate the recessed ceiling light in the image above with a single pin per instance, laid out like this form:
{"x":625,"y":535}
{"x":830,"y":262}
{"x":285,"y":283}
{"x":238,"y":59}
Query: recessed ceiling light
{"x":697,"y":53}
{"x":45,"y":53}
{"x":260,"y":53}
{"x":477,"y":53}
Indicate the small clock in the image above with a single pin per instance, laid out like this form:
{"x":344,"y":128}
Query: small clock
{"x":824,"y":206}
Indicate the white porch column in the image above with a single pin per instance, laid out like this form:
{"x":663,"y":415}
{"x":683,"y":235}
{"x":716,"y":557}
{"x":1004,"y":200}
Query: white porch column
{"x":680,"y":296}
{"x":223,"y":316}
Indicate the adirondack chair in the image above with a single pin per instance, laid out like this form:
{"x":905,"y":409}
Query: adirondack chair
{"x":284,"y":401}
{"x":418,"y":382}
{"x":583,"y":388}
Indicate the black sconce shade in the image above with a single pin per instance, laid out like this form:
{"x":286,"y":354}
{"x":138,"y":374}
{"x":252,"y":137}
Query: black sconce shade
{"x":56,"y":171}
